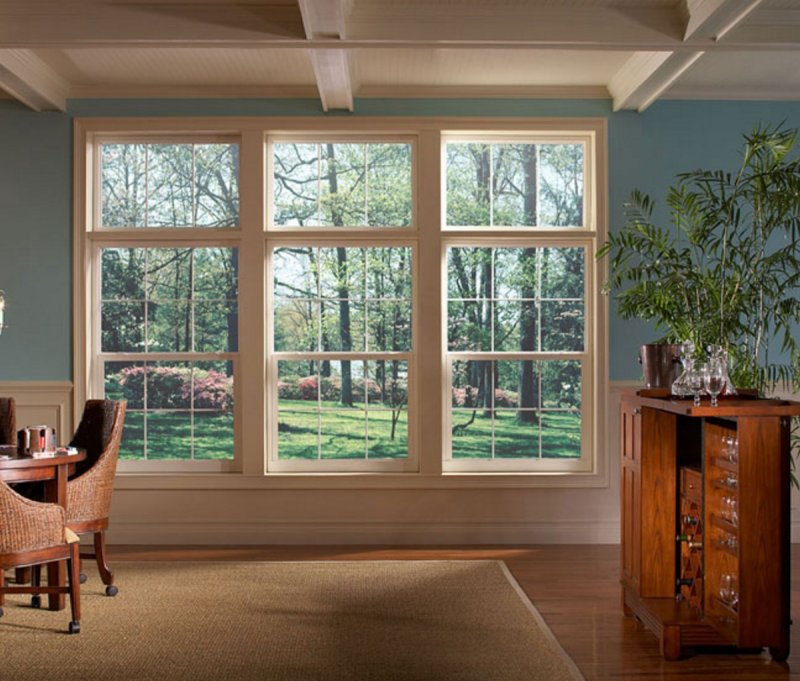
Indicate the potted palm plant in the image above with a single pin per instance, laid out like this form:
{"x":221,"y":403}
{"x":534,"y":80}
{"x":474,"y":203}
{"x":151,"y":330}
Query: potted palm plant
{"x":725,"y":270}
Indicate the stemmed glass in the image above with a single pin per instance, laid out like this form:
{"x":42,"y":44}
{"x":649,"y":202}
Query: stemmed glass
{"x":714,"y":376}
{"x":695,"y":380}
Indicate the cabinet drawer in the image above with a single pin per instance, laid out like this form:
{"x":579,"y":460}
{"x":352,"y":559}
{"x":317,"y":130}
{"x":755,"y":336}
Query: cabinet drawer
{"x":691,"y":484}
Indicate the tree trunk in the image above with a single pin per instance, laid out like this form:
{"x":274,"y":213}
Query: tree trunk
{"x":344,"y":293}
{"x":528,"y":393}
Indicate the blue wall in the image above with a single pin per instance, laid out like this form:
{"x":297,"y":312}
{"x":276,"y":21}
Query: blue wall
{"x":646,"y":151}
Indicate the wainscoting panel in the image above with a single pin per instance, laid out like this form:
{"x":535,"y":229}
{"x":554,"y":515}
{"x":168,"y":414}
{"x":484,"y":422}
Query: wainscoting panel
{"x":46,"y":403}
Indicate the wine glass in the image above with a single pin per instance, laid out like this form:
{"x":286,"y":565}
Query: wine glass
{"x":696,"y":381}
{"x":714,"y":380}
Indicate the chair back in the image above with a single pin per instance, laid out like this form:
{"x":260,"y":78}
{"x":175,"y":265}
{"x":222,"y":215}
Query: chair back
{"x":8,"y":421}
{"x":100,"y":433}
{"x":94,"y":431}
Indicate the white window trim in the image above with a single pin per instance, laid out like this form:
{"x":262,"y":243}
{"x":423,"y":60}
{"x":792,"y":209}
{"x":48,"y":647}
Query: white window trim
{"x":253,"y":286}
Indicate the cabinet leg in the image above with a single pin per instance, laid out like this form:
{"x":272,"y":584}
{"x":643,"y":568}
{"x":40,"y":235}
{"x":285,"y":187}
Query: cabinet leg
{"x":779,"y":653}
{"x":671,"y":642}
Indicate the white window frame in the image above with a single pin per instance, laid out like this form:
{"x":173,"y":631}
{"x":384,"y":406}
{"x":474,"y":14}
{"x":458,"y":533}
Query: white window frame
{"x":347,"y":236}
{"x":585,"y":237}
{"x":98,"y":238}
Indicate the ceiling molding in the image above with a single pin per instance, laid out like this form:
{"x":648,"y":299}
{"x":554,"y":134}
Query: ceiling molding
{"x":194,"y":92}
{"x":325,"y":19}
{"x":716,"y":18}
{"x":31,"y":81}
{"x":483,"y":91}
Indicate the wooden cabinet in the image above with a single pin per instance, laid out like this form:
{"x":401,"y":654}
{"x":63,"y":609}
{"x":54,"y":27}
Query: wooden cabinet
{"x":705,"y":521}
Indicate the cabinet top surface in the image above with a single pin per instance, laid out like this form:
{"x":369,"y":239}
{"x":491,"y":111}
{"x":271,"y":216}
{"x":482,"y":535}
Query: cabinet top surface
{"x":733,"y":406}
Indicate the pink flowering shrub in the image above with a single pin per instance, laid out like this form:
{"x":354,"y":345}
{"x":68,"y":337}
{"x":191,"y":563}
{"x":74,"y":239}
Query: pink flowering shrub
{"x":170,"y":387}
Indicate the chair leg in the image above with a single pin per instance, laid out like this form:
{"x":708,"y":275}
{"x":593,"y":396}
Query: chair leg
{"x":74,"y":584}
{"x":36,"y":582}
{"x":102,"y":564}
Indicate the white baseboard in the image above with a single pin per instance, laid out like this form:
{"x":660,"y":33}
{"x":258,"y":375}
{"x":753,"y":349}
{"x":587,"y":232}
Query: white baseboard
{"x":291,"y":533}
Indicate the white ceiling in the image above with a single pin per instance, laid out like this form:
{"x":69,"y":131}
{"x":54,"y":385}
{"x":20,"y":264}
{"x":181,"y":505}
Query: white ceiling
{"x":632,"y":51}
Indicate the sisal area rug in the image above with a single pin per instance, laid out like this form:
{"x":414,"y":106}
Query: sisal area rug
{"x":292,"y":621}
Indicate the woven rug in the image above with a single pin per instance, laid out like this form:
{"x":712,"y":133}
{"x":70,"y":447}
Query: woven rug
{"x":276,"y":621}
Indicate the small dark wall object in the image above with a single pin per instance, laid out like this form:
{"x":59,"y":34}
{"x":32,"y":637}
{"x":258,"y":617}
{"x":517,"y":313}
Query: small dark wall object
{"x":8,"y":421}
{"x":660,"y":364}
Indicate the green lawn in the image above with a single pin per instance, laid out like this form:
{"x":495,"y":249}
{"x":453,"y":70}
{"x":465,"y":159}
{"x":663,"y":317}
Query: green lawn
{"x":342,"y":432}
{"x":560,"y":436}
{"x":169,"y":435}
{"x":349,"y":433}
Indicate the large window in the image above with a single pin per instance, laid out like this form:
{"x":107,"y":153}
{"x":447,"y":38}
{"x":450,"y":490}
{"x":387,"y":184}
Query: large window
{"x":341,"y":313}
{"x":408,"y":299}
{"x":166,"y":312}
{"x":519,"y":340}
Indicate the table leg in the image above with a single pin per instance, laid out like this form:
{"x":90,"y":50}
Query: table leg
{"x":56,"y":491}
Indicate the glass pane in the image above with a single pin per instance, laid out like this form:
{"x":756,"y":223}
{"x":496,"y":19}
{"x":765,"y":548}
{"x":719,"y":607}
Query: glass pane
{"x":216,"y":185}
{"x":295,"y":272}
{"x":169,"y":185}
{"x":122,"y":273}
{"x":389,"y":326}
{"x":342,"y":185}
{"x":215,"y":273}
{"x":471,"y":381}
{"x":170,"y":173}
{"x":469,"y":273}
{"x":472,"y":435}
{"x":216,"y":326}
{"x":508,"y":376}
{"x":514,"y":185}
{"x":298,"y":384}
{"x":468,"y":168}
{"x":343,"y":433}
{"x":341,"y":272}
{"x":169,"y":435}
{"x":516,"y":434}
{"x":213,"y":435}
{"x":132,"y":446}
{"x":169,"y":385}
{"x":561,"y":384}
{"x":389,"y":185}
{"x":296,"y":184}
{"x":387,"y":434}
{"x":561,"y":435}
{"x":387,"y":383}
{"x":298,"y":434}
{"x":561,"y":185}
{"x":562,"y":272}
{"x":122,"y":327}
{"x":169,"y":326}
{"x":349,"y":184}
{"x":389,"y":273}
{"x":515,"y":325}
{"x":342,"y":325}
{"x":212,"y":386}
{"x":169,"y":273}
{"x":562,"y":326}
{"x":296,"y":325}
{"x":125,"y":381}
{"x":468,"y":325}
{"x":123,"y":185}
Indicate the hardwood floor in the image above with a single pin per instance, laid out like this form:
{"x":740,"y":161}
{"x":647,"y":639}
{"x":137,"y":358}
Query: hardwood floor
{"x":574,"y":587}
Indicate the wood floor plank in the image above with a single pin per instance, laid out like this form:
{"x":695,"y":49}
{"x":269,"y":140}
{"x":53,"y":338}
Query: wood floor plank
{"x":575,"y":588}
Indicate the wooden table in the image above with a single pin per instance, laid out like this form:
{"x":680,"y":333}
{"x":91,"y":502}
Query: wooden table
{"x":52,"y":470}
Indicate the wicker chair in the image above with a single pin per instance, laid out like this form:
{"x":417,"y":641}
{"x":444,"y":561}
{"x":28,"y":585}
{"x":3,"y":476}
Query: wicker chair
{"x":8,"y":421}
{"x":89,"y":491}
{"x":33,"y":534}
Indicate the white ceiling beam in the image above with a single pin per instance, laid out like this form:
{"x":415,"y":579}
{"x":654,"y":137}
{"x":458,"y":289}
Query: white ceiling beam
{"x":31,"y":81}
{"x":324,"y":19}
{"x":647,"y":75}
